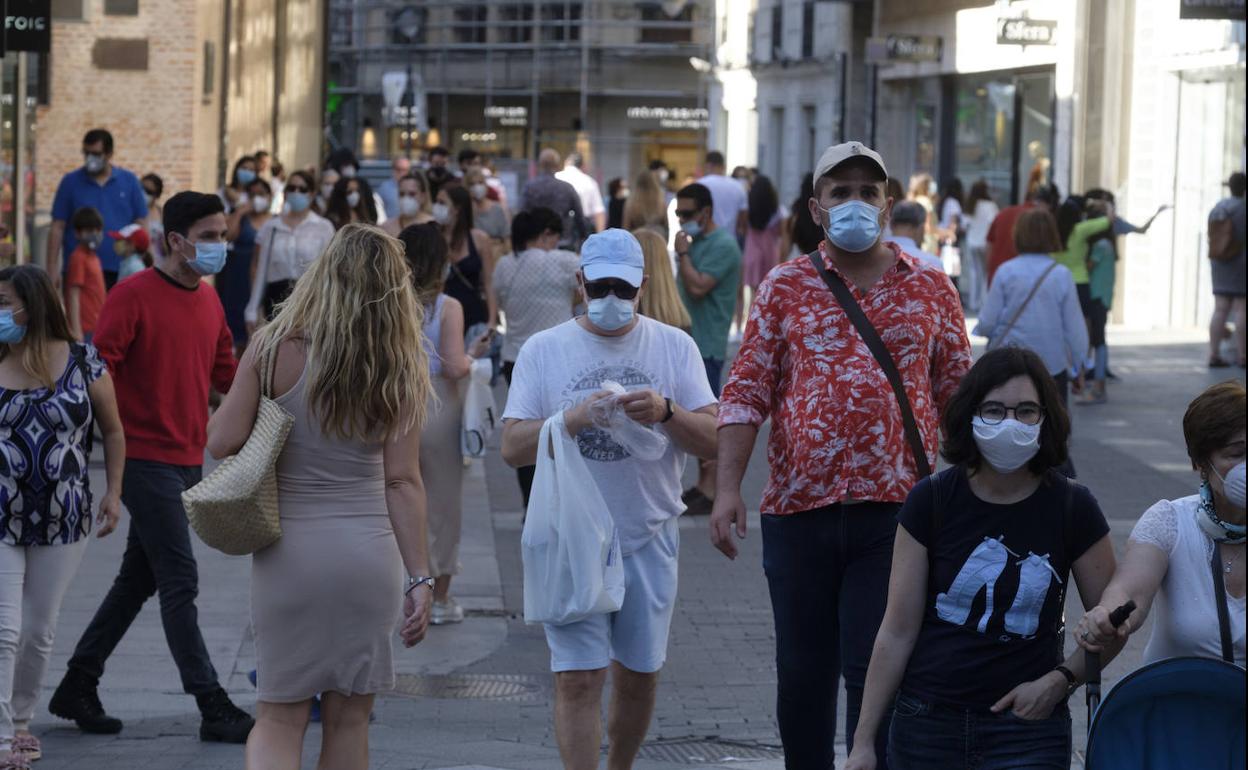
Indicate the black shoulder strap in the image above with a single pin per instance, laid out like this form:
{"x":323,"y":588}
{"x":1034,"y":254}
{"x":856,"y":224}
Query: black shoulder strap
{"x":1219,"y":598}
{"x":885,"y":359}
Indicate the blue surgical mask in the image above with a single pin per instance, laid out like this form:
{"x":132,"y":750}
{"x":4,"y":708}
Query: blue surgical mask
{"x":11,"y":332}
{"x":691,"y":229}
{"x":298,"y":201}
{"x":209,"y":258}
{"x":853,"y":226}
{"x":246,"y":176}
{"x":610,"y":313}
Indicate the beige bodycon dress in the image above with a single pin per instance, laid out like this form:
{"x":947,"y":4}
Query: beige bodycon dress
{"x":326,"y":597}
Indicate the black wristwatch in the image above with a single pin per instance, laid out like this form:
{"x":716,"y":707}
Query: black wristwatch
{"x":671,"y":411}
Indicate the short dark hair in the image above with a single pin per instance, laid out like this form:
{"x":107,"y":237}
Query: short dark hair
{"x":909,"y":213}
{"x":529,"y":225}
{"x":1035,"y":232}
{"x":1212,"y":420}
{"x":155,"y":182}
{"x":467,"y":155}
{"x":1047,"y":194}
{"x":439,"y":151}
{"x":343,"y":156}
{"x":306,"y":176}
{"x":86,"y":218}
{"x":657,"y":164}
{"x":993,"y":370}
{"x":99,"y":135}
{"x":698,"y":193}
{"x":260,"y":182}
{"x":185,"y":209}
{"x":1237,"y":183}
{"x":574,"y":159}
{"x":715,"y":158}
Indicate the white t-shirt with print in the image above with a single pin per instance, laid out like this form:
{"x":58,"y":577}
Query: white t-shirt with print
{"x":561,"y":367}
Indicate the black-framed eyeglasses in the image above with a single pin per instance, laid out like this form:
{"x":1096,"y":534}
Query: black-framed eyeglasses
{"x":687,"y":213}
{"x":600,"y":289}
{"x":1026,"y":412}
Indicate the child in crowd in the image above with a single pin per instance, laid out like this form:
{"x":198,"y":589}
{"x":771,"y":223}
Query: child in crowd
{"x":84,"y":278}
{"x":132,"y":245}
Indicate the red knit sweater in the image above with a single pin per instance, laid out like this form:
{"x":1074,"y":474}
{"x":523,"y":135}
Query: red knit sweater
{"x":165,"y":344}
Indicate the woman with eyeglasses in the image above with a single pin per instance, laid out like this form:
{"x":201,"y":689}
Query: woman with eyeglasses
{"x":286,"y":247}
{"x":968,"y":663}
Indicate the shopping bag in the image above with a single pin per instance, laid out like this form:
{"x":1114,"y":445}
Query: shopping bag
{"x":570,"y":548}
{"x":479,"y":411}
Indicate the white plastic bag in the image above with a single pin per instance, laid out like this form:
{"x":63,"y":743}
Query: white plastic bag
{"x":951,"y":258}
{"x":640,"y":442}
{"x":569,"y":547}
{"x":479,"y":411}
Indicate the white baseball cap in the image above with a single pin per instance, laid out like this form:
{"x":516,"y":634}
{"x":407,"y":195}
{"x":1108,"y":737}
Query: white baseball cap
{"x":839,"y":153}
{"x":613,"y":253}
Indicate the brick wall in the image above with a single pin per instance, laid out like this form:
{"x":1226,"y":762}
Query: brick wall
{"x":152,"y":114}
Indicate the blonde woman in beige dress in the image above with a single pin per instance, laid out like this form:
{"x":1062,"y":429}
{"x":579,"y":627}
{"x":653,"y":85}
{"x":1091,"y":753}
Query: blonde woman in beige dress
{"x":329,"y":595}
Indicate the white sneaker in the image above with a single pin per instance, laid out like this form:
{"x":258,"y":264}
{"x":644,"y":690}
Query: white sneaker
{"x":445,"y":612}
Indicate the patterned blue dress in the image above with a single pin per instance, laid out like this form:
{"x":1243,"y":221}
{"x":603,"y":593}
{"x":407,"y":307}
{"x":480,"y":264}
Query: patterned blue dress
{"x":45,"y":444}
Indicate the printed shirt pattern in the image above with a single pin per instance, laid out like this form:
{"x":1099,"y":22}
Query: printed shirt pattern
{"x":836,"y":429}
{"x":45,"y":443}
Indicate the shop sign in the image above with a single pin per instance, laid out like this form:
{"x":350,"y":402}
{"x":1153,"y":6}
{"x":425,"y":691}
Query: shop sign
{"x":672,"y":117}
{"x":507,"y":116}
{"x":27,"y":26}
{"x":1014,"y":31}
{"x":903,"y":48}
{"x":1232,"y":10}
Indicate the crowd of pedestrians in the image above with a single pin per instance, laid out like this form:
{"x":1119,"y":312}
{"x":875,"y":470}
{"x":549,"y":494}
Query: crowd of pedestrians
{"x":367,"y":315}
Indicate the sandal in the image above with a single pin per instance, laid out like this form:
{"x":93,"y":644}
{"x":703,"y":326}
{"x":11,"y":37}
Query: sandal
{"x":14,"y":760}
{"x":28,"y":744}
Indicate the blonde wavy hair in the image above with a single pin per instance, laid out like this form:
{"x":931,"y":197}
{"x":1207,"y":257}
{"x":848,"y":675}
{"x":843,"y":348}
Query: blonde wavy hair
{"x":368,"y":373}
{"x":660,"y":300}
{"x":646,"y":205}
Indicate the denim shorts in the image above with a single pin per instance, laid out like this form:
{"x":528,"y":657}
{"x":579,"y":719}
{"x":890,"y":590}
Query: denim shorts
{"x":926,"y":736}
{"x":636,"y":635}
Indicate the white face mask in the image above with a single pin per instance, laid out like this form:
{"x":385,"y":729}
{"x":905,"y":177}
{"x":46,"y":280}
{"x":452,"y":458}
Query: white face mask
{"x":1008,"y":445}
{"x":441,"y":213}
{"x":353,"y":199}
{"x":260,"y":204}
{"x":478,"y":191}
{"x":1233,"y":485}
{"x":408,"y":206}
{"x":327,"y":189}
{"x":348,"y":171}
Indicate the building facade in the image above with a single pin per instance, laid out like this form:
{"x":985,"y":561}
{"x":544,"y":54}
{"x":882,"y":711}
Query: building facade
{"x":611,"y":79}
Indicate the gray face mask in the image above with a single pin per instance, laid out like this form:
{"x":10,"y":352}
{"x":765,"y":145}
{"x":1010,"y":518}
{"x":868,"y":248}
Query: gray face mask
{"x":93,"y":163}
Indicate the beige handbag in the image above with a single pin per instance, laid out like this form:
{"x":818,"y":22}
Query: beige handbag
{"x":234,"y":508}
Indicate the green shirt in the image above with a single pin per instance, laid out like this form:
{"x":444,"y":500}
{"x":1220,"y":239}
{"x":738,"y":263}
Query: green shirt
{"x":1101,"y":275}
{"x":1075,"y":257}
{"x":718,"y":256}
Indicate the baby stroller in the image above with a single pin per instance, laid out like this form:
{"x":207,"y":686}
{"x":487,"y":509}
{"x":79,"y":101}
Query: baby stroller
{"x":1175,"y":714}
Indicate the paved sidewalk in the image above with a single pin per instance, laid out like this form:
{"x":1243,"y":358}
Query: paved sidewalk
{"x":718,"y":686}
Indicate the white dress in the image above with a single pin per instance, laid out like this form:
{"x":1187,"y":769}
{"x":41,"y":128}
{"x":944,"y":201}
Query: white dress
{"x":1185,"y":617}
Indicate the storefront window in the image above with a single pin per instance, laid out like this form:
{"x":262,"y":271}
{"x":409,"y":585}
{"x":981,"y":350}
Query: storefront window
{"x":1003,"y":132}
{"x":17,"y":161}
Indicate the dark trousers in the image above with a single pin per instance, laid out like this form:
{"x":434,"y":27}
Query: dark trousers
{"x":1062,"y":379}
{"x":524,"y":474}
{"x":158,"y":559}
{"x":827,"y":571}
{"x":931,"y":737}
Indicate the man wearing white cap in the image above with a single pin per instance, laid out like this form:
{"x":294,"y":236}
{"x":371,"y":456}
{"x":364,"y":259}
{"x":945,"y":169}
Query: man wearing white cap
{"x":562,"y":370}
{"x":854,"y":425}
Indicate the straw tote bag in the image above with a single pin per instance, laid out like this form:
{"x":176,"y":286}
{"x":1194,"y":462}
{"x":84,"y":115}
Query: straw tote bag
{"x":234,"y":508}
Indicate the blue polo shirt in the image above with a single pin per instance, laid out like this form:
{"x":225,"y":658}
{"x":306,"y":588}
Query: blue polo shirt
{"x":119,"y":200}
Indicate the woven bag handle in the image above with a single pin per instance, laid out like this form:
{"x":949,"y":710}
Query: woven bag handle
{"x":268,"y":365}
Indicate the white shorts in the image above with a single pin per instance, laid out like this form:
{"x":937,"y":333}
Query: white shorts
{"x":636,"y":635}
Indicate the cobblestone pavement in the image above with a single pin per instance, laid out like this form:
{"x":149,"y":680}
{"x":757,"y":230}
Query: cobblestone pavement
{"x":719,"y":682}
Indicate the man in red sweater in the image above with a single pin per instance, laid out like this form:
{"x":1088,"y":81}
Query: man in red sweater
{"x":164,"y":337}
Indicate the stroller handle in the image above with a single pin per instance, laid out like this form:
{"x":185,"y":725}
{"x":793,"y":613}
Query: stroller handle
{"x":1092,"y":663}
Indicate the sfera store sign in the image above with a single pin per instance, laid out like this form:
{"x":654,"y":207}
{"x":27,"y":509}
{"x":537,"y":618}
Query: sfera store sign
{"x":1015,"y":31}
{"x":27,"y":26}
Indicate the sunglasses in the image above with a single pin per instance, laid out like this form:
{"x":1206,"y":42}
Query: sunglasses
{"x":295,"y":189}
{"x":600,"y":289}
{"x":687,"y":213}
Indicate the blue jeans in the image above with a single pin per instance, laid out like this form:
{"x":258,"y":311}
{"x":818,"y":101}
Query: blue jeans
{"x":926,"y":736}
{"x":714,"y":373}
{"x":827,"y":571}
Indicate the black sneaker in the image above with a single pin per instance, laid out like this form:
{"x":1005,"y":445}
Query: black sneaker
{"x":223,"y":721}
{"x":77,"y":700}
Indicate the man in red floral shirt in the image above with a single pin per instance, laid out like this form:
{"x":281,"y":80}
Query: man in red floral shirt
{"x":840,"y":464}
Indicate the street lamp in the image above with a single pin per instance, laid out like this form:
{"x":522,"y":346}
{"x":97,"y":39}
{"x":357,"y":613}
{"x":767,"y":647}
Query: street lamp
{"x":408,"y":24}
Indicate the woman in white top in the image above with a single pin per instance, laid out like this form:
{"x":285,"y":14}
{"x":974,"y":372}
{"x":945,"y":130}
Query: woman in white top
{"x":286,"y":245}
{"x":1170,"y":554}
{"x":975,"y":263}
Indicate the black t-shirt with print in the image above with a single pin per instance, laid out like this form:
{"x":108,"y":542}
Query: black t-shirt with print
{"x":997,"y":579}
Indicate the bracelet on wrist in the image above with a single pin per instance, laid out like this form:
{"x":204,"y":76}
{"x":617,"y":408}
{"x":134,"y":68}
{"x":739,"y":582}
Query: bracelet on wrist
{"x":413,"y":582}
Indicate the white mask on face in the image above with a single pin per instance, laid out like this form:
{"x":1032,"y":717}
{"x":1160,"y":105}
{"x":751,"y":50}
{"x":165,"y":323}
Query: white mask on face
{"x":260,"y":204}
{"x":327,"y":189}
{"x":1233,"y":485}
{"x":1008,"y":445}
{"x":353,"y":199}
{"x":441,"y":213}
{"x":408,"y":206}
{"x":478,"y":191}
